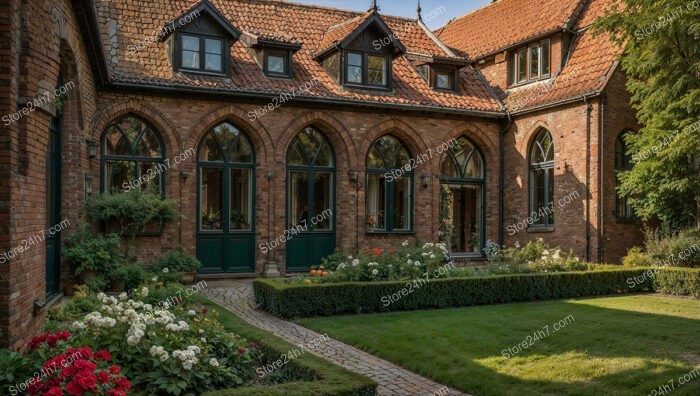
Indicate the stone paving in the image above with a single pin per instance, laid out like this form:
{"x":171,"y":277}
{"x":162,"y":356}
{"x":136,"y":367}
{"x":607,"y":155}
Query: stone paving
{"x":237,"y":297}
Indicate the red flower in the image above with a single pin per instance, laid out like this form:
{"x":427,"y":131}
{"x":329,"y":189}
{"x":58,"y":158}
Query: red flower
{"x":103,"y":355}
{"x":114,"y":370}
{"x":204,"y":310}
{"x":116,"y":392}
{"x":252,"y":344}
{"x":241,"y":350}
{"x":49,"y":339}
{"x":55,"y":391}
{"x":74,"y":389}
{"x":103,"y":377}
{"x":123,"y":383}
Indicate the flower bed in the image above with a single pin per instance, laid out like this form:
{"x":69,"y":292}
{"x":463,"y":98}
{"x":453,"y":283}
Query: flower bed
{"x":298,"y":301}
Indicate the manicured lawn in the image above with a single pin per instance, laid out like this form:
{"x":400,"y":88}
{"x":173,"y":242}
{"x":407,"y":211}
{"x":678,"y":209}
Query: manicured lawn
{"x":614,"y":345}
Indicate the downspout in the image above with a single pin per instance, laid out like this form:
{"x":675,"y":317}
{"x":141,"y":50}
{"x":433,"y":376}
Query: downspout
{"x":502,"y":177}
{"x":601,"y":185}
{"x":588,"y":178}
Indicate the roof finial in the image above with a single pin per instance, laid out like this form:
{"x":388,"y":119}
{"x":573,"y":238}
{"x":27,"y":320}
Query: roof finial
{"x":420,"y":17}
{"x":375,"y":8}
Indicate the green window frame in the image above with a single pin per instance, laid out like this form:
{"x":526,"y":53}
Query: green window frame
{"x":389,"y":187}
{"x":623,"y":162}
{"x":542,"y":180}
{"x":133,"y":156}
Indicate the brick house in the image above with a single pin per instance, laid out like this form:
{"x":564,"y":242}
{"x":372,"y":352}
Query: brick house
{"x":266,"y":119}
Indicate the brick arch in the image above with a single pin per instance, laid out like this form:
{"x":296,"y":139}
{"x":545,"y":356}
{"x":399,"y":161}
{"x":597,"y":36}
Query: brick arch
{"x":255,"y":131}
{"x":532,"y":132}
{"x":478,"y":138}
{"x":399,"y":129}
{"x":162,"y":125}
{"x":335,"y":132}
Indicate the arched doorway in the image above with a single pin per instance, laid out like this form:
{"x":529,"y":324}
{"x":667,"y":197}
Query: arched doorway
{"x":226,"y":201}
{"x":463,"y":199}
{"x":310,"y":234}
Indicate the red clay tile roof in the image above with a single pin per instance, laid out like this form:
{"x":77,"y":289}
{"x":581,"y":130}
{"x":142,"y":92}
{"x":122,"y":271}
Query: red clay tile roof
{"x":337,"y":33}
{"x":505,"y":23}
{"x":138,"y":22}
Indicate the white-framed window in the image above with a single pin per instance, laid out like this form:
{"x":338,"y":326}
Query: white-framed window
{"x":532,"y":62}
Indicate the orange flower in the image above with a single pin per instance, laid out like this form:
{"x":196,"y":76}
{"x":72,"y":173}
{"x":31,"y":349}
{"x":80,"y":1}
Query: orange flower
{"x":378,"y":252}
{"x":392,"y":251}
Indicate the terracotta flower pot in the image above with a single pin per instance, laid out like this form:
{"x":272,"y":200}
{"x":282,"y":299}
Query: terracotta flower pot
{"x":188,"y":278}
{"x":69,"y":290}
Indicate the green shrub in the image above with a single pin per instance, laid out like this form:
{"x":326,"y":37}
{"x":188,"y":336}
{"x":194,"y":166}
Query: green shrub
{"x":678,"y":281}
{"x":97,"y":283}
{"x":176,"y":261}
{"x":85,"y":251}
{"x":14,"y":370}
{"x":676,"y":250}
{"x":130,"y":276}
{"x":291,"y":301}
{"x":636,"y":258}
{"x":132,"y":210}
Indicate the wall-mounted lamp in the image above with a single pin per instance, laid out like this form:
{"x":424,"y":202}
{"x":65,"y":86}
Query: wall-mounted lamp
{"x":270,"y":174}
{"x":425,"y":179}
{"x":184,"y":175}
{"x":92,"y":148}
{"x":88,"y":186}
{"x":354,"y":175}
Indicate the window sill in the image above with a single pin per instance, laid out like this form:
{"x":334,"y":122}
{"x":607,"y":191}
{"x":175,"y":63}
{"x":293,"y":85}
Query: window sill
{"x":390,"y":232}
{"x":537,"y":230}
{"x":359,"y":87}
{"x":527,"y":82}
{"x":204,"y":73}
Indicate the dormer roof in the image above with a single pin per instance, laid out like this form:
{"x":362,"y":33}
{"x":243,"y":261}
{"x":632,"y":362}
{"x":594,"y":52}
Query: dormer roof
{"x":204,"y":7}
{"x":340,"y":35}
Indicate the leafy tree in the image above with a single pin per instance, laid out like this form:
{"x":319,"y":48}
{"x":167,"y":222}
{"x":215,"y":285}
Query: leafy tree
{"x":661,"y":58}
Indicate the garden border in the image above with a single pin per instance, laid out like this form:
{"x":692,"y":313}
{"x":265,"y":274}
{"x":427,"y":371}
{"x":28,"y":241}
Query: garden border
{"x":301,"y":301}
{"x":324,"y":378}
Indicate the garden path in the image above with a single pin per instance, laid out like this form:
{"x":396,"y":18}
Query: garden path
{"x":237,"y":297}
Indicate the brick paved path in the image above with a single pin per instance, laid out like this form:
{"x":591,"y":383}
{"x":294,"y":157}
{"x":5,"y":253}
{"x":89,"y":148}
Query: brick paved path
{"x":237,"y":297}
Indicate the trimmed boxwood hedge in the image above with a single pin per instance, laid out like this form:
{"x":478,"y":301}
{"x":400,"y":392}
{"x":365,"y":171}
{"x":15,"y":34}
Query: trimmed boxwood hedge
{"x":308,"y":374}
{"x":301,"y":301}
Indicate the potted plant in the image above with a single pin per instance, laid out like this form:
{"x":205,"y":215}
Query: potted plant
{"x":239,"y":221}
{"x":132,"y":213}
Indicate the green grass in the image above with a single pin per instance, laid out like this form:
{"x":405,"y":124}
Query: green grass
{"x":615,"y":345}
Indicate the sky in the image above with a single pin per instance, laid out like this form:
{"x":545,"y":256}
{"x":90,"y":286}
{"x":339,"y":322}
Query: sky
{"x":436,"y":13}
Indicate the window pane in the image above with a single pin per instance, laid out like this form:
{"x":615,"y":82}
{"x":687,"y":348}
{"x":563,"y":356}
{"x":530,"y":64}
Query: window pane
{"x":534,"y":62}
{"x":116,"y":143}
{"x":298,"y":199}
{"x":550,"y":195}
{"x":354,"y":59}
{"x":212,"y":62}
{"x":275,"y":64}
{"x":149,"y":146}
{"x":323,"y":196}
{"x":424,"y":71}
{"x":475,"y":167}
{"x":545,"y":57}
{"x":213,"y":46}
{"x":211,"y":198}
{"x":376,"y":194}
{"x":444,"y":80}
{"x":190,"y":43}
{"x":241,"y":151}
{"x":521,"y":59}
{"x":355,"y":74}
{"x":448,"y":168}
{"x":119,"y":175}
{"x":240,"y":203}
{"x":209,"y":150}
{"x":376,"y":69}
{"x":150,"y":174}
{"x":538,"y":196}
{"x":401,"y":204}
{"x":190,"y":59}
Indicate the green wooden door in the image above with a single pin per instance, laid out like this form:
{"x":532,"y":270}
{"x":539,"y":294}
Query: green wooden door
{"x":226,"y":202}
{"x":53,"y":209}
{"x":310,"y":200}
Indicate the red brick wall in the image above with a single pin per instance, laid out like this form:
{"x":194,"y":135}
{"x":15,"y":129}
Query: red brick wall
{"x":182,"y":122}
{"x":47,"y":42}
{"x":618,"y":116}
{"x":568,"y":126}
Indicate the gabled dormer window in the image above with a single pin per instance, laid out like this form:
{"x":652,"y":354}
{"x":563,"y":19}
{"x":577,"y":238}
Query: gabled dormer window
{"x":445,"y":79}
{"x":200,"y":40}
{"x":201,"y":53}
{"x":362,"y":68}
{"x":531,"y":63}
{"x":441,"y":76}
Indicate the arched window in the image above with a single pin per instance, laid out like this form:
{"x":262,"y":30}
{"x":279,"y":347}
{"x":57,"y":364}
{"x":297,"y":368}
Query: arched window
{"x":311,"y":166}
{"x":133,"y":157}
{"x":462,"y":198}
{"x":542,"y":180}
{"x":389,"y":186}
{"x":226,"y":165}
{"x":623,"y":161}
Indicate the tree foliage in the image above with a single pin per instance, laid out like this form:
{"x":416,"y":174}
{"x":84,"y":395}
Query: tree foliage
{"x":661,"y":58}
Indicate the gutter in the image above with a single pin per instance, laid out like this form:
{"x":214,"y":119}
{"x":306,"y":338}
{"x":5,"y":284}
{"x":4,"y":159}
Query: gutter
{"x":601,"y":185}
{"x":174,"y":89}
{"x":557,"y":103}
{"x":589,"y":107}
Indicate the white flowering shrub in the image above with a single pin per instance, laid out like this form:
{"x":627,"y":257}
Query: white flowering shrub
{"x":372,"y":265}
{"x":535,"y":256}
{"x":176,"y":348}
